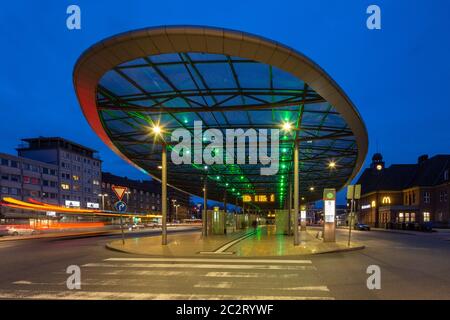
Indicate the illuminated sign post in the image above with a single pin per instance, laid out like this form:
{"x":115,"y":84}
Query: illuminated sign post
{"x":303,"y":218}
{"x":329,"y":225}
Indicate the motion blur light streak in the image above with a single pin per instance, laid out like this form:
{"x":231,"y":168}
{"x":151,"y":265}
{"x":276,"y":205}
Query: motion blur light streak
{"x":14,"y":203}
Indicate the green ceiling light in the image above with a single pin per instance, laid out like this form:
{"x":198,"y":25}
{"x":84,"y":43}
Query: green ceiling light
{"x":205,"y":167}
{"x":242,"y":177}
{"x":283,"y":166}
{"x":284,"y":150}
{"x":226,"y":184}
{"x":218,"y":177}
{"x":233,"y":189}
{"x":185,"y":120}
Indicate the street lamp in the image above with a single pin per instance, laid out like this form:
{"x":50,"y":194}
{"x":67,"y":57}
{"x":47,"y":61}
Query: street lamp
{"x":287,"y":126}
{"x":157,"y":130}
{"x":103,"y":195}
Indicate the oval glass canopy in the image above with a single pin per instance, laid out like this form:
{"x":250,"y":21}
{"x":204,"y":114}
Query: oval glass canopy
{"x":175,"y":89}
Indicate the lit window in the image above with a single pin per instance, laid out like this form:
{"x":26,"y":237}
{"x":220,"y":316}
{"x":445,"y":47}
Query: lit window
{"x":426,"y":217}
{"x":373,"y":204}
{"x":76,"y":178}
{"x":65,"y":186}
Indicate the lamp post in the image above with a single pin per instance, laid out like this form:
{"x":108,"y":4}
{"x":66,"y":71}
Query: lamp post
{"x":205,"y":206}
{"x":157,"y":130}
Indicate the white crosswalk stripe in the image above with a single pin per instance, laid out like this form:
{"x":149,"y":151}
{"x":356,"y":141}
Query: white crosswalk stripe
{"x":182,"y":278}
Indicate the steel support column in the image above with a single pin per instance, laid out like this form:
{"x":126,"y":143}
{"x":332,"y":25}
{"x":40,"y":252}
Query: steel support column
{"x":205,"y":208}
{"x":164,"y":193}
{"x":296,"y":193}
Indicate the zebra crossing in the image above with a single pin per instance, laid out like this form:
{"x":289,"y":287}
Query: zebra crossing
{"x":181,"y":278}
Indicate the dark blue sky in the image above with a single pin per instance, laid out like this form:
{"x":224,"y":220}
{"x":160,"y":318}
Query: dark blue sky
{"x":398,"y":77}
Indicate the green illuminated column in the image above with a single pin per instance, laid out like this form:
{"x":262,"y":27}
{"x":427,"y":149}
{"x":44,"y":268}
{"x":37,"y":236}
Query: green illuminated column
{"x":164,"y":193}
{"x":290,"y":207}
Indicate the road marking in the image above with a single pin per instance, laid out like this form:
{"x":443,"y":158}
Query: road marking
{"x":100,"y":295}
{"x":193,"y":265}
{"x":253,"y":274}
{"x":220,"y":285}
{"x":307,"y":288}
{"x":233,"y":285}
{"x":235,"y":260}
{"x":22,"y":282}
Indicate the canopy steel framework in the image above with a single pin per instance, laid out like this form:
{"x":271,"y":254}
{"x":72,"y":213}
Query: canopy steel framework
{"x":173,"y":76}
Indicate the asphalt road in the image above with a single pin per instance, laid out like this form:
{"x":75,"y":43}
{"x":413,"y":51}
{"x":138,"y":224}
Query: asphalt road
{"x":412,"y":267}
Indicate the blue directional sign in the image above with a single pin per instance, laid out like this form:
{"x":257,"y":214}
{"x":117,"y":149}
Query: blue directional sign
{"x":120,"y":206}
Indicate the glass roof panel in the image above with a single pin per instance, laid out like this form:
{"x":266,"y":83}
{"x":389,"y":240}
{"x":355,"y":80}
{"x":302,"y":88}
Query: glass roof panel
{"x":203,"y":87}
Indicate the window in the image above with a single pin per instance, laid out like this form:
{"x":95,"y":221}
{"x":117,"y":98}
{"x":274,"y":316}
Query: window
{"x":45,"y":183}
{"x":414,"y":197}
{"x":441,"y":196}
{"x":426,"y":197}
{"x":412,"y":217}
{"x":14,"y":164}
{"x":14,"y":191}
{"x":5,"y":177}
{"x":445,"y":196}
{"x":31,"y":180}
{"x":96,"y":182}
{"x":426,"y":217}
{"x":446,"y":175}
{"x":75,"y":177}
{"x":15,"y":178}
{"x":65,"y":186}
{"x":45,"y":170}
{"x":5,"y":162}
{"x":401,"y":217}
{"x":53,"y":172}
{"x":5,"y":190}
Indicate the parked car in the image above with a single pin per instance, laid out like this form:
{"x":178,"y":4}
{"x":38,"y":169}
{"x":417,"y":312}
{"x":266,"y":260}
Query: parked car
{"x":362,"y":227}
{"x":20,"y":231}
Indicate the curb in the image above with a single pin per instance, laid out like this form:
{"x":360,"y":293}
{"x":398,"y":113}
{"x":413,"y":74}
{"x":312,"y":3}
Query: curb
{"x":342,"y":250}
{"x":113,"y":248}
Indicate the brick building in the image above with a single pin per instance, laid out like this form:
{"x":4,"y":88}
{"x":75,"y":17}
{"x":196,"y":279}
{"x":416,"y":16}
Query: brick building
{"x":406,"y":193}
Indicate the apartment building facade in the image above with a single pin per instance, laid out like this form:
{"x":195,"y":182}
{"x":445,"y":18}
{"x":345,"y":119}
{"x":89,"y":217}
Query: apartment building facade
{"x":79,"y":169}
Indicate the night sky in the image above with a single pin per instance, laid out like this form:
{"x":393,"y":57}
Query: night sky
{"x":398,"y":77}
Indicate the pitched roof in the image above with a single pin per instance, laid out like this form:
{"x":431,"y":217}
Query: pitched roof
{"x":397,"y":177}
